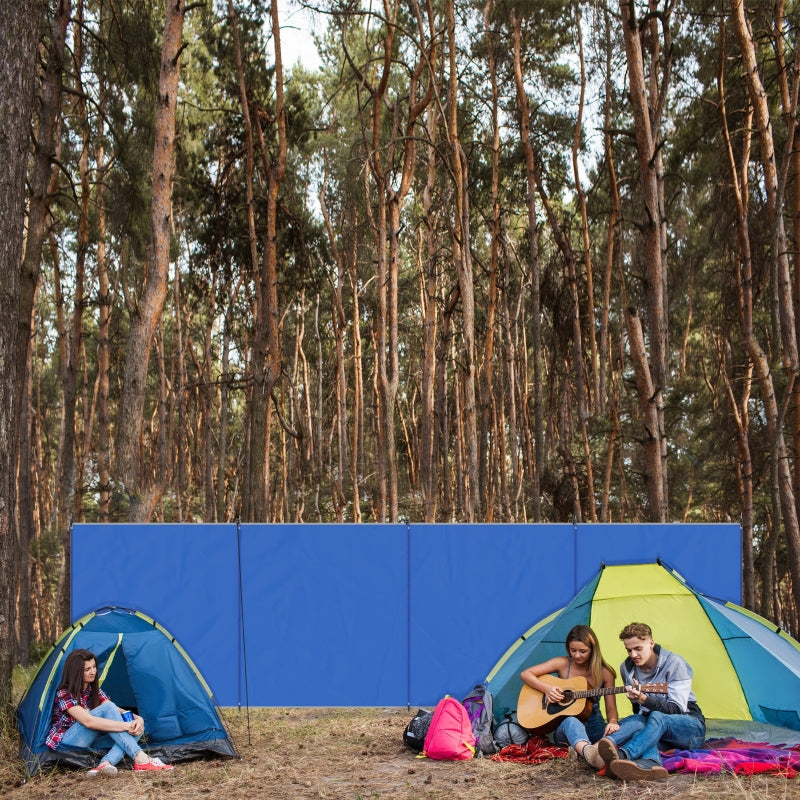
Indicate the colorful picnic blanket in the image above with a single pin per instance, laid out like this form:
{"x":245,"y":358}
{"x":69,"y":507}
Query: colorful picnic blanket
{"x":716,"y":755}
{"x":735,"y":755}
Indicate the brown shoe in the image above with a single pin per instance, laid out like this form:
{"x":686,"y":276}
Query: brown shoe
{"x":607,"y":751}
{"x":627,"y":770}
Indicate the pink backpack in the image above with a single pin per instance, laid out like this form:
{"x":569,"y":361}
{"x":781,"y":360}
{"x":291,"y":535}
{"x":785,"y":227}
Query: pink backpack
{"x":449,"y":736}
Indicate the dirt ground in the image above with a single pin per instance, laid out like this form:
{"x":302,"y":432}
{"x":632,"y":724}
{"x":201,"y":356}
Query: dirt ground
{"x":358,"y":754}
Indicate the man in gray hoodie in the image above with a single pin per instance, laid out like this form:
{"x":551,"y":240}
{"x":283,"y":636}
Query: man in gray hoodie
{"x":666,"y":721}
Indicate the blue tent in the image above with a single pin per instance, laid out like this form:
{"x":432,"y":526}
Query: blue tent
{"x":746,"y":671}
{"x":141,"y":668}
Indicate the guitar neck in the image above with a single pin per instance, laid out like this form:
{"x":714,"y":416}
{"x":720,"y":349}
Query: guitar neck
{"x":606,"y":690}
{"x":602,"y":692}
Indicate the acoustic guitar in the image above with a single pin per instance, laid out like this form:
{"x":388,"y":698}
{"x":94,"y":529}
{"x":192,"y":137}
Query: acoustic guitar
{"x":536,"y":713}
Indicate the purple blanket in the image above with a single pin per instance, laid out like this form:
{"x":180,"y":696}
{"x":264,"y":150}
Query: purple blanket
{"x":734,"y":755}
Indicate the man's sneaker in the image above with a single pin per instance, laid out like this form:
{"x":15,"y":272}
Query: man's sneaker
{"x":152,"y":764}
{"x":607,"y":751}
{"x":103,"y":768}
{"x":641,"y":770}
{"x":592,"y":757}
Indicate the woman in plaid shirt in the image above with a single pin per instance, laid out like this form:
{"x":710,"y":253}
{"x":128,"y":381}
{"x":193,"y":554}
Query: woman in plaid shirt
{"x":83,"y":712}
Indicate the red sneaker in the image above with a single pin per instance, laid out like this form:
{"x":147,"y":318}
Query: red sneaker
{"x":152,"y":764}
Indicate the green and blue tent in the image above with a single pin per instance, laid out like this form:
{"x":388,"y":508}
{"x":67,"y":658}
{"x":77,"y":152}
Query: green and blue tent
{"x":746,"y":670}
{"x":142,"y":668}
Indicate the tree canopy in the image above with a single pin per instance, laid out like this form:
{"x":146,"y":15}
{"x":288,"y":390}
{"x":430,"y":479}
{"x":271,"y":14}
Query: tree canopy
{"x":501,"y":261}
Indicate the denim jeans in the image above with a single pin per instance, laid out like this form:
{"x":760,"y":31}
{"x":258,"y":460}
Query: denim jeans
{"x":639,"y":736}
{"x":79,"y":736}
{"x":571,"y":730}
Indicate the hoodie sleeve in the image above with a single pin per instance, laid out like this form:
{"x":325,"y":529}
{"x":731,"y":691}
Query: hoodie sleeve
{"x":677,"y":674}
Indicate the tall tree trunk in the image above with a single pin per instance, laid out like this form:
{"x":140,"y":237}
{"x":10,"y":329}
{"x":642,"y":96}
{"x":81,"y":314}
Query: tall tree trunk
{"x":19,"y":30}
{"x":43,"y":183}
{"x":490,"y":433}
{"x":780,"y":252}
{"x":357,"y":443}
{"x":25,"y":516}
{"x":462,"y":257}
{"x":591,"y":327}
{"x":182,"y":460}
{"x":647,"y":106}
{"x":144,"y":492}
{"x":266,"y":337}
{"x":42,"y":176}
{"x":253,"y":490}
{"x":70,"y":344}
{"x":103,"y":357}
{"x":537,"y":468}
{"x":430,"y":287}
{"x":740,"y":406}
{"x":339,"y":330}
{"x":605,"y":366}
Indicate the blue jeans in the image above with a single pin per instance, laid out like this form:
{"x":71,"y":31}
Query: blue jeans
{"x":571,"y":730}
{"x":639,"y":736}
{"x":79,"y":736}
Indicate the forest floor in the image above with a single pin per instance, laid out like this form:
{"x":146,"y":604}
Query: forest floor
{"x":358,"y":754}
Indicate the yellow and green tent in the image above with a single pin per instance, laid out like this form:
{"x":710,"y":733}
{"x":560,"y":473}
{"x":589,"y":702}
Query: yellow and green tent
{"x":746,"y":669}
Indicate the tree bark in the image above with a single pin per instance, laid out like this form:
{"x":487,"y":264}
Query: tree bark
{"x":462,"y":258}
{"x":19,"y":30}
{"x":647,"y":105}
{"x":143,"y":491}
{"x":266,"y":356}
{"x":537,"y":467}
{"x":780,"y":249}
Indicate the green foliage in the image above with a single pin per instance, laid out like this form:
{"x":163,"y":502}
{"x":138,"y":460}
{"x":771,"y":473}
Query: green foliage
{"x":196,"y":432}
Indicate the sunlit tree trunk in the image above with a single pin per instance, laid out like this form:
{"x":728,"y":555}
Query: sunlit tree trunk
{"x":608,"y":399}
{"x":772,"y":187}
{"x":462,"y":258}
{"x":144,"y":491}
{"x":429,"y":293}
{"x":651,"y":366}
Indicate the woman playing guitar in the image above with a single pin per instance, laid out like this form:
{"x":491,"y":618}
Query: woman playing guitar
{"x":583,"y":660}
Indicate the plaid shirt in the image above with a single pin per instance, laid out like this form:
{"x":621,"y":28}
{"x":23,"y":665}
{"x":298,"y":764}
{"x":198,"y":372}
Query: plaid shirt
{"x":62,"y":719}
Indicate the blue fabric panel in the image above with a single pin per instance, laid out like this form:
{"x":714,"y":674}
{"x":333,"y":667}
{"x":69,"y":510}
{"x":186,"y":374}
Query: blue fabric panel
{"x":542,"y":645}
{"x":707,"y":556}
{"x":183,"y":575}
{"x":325,"y":614}
{"x":366,"y":614}
{"x":474,"y":588}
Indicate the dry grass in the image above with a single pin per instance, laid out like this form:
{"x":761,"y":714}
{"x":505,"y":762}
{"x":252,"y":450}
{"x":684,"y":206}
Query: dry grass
{"x":358,"y":754}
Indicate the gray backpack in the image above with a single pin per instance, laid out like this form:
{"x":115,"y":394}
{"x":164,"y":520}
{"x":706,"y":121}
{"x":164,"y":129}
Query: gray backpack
{"x":479,"y":708}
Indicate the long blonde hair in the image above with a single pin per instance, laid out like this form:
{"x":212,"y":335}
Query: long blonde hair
{"x":585,"y":635}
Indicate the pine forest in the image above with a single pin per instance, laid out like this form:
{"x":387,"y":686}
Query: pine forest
{"x":488,"y":261}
